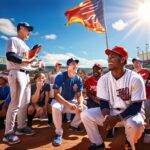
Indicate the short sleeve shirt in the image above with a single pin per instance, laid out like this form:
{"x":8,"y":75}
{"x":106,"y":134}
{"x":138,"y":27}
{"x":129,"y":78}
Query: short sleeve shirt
{"x":45,"y":88}
{"x":69,"y":86}
{"x":19,"y":47}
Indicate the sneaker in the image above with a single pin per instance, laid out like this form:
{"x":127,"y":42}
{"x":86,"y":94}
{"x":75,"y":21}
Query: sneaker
{"x":78,"y":129}
{"x":93,"y":146}
{"x":57,"y":140}
{"x":11,"y":139}
{"x":25,"y":131}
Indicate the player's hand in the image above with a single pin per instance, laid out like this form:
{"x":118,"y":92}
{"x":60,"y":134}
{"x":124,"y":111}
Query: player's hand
{"x":80,"y":107}
{"x":39,"y":85}
{"x":110,"y":121}
{"x":72,"y":106}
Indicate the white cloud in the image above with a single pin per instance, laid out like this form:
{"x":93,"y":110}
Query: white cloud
{"x":4,"y":37}
{"x":119,"y":25}
{"x":51,"y":59}
{"x":7,"y":27}
{"x":50,"y":37}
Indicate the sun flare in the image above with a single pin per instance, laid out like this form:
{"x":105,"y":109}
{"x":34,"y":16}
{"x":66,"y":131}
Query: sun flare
{"x":144,"y":12}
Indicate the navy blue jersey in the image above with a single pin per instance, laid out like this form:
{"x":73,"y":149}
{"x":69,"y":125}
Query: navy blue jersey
{"x":69,"y":86}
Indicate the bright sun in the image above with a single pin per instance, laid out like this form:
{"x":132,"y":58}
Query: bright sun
{"x":144,"y":12}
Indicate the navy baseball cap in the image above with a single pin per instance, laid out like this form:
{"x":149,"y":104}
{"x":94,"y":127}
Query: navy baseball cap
{"x":24,"y":24}
{"x":72,"y":60}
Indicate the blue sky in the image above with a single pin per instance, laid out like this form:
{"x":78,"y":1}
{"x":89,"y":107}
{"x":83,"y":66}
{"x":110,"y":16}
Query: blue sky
{"x":60,"y":42}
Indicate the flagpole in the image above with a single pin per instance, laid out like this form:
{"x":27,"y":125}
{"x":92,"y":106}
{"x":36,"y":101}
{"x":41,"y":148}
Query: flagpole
{"x":106,"y":35}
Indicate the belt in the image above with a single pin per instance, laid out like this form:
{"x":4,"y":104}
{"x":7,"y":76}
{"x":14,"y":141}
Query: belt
{"x":119,"y":109}
{"x":25,"y":71}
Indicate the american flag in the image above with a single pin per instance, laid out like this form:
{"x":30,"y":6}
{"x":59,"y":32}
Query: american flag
{"x":89,"y":13}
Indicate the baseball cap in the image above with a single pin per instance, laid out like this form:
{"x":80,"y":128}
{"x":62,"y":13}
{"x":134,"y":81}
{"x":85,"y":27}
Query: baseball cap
{"x":97,"y":65}
{"x":24,"y":24}
{"x":57,"y":63}
{"x":72,"y":60}
{"x":136,"y":59}
{"x":118,"y":50}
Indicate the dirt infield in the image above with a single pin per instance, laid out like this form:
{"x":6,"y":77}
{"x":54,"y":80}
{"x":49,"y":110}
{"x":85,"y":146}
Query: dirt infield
{"x":42,"y":140}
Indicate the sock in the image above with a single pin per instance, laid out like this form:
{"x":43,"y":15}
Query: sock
{"x":64,"y":117}
{"x":147,"y":131}
{"x":30,"y":118}
{"x":2,"y":125}
{"x":49,"y":118}
{"x":72,"y":116}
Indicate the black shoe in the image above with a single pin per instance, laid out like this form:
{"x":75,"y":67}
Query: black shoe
{"x":110,"y":134}
{"x":2,"y":126}
{"x":93,"y":146}
{"x":25,"y":131}
{"x":78,"y":129}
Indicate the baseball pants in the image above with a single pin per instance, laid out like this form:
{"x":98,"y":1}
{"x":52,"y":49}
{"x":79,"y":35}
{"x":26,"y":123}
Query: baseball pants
{"x":91,"y":118}
{"x":57,"y":110}
{"x":20,"y":98}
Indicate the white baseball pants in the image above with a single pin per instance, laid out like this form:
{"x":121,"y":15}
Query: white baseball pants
{"x":20,"y":98}
{"x":134,"y":126}
{"x":57,"y":110}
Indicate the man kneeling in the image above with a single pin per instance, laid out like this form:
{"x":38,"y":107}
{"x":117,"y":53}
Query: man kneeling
{"x":121,"y":92}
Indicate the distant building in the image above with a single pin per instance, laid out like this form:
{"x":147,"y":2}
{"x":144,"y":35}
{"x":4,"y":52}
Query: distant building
{"x":144,"y":55}
{"x":2,"y":60}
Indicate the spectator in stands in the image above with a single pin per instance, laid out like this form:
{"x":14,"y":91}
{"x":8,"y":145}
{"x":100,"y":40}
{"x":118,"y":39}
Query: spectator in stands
{"x":40,"y":105}
{"x":4,"y":99}
{"x":55,"y":72}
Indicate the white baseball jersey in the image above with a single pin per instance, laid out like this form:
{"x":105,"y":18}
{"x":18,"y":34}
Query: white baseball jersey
{"x":19,"y":47}
{"x":122,"y":92}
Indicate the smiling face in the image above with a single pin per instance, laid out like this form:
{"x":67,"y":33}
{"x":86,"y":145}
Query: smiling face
{"x":72,"y":69}
{"x":137,"y":64}
{"x":97,"y":72}
{"x":115,"y":61}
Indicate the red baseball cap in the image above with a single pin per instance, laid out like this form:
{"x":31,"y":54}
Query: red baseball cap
{"x":118,"y":50}
{"x":97,"y":65}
